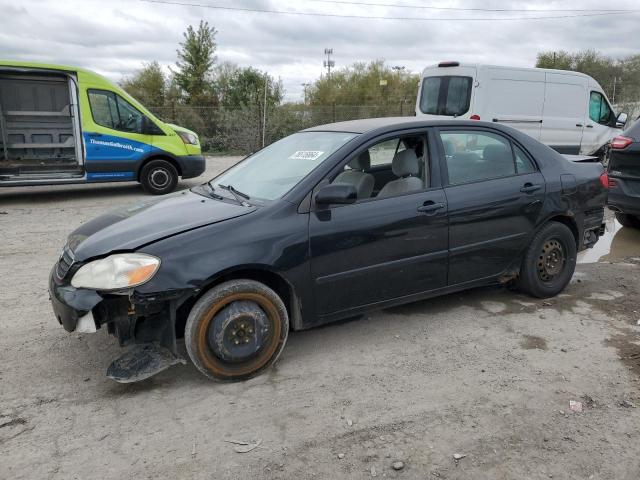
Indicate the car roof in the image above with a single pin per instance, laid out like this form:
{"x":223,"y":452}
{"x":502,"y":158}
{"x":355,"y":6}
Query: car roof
{"x":388,"y":123}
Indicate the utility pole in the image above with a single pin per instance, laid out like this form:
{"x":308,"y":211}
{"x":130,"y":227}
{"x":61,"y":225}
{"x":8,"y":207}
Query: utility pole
{"x":328,"y":63}
{"x":304,"y":87}
{"x":264,"y":108}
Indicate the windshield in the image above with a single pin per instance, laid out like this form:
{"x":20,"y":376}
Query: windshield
{"x":276,"y":169}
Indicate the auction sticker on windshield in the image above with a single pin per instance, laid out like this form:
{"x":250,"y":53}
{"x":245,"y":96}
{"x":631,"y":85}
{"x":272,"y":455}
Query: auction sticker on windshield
{"x":306,"y":155}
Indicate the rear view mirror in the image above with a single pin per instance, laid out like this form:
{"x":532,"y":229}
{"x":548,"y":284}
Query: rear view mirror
{"x":337,"y":193}
{"x":621,"y":120}
{"x":147,"y":127}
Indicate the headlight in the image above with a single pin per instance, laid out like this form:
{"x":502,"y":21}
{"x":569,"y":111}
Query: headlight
{"x":188,"y":138}
{"x":121,"y":270}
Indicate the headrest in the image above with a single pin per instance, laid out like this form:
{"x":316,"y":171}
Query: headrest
{"x":362,"y":162}
{"x":497,"y":152}
{"x":405,"y":163}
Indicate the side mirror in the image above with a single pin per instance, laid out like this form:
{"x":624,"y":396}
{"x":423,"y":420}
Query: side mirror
{"x":621,"y":120}
{"x":337,"y":193}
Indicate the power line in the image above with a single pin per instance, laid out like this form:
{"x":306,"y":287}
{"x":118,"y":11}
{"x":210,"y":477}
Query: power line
{"x":471,"y":9}
{"x":370,"y":17}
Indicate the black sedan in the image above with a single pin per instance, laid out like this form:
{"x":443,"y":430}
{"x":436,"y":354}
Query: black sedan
{"x":322,"y":225}
{"x":624,"y":176}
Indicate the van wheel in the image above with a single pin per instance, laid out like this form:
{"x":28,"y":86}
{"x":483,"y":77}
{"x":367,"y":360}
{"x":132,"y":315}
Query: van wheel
{"x":549,"y":261}
{"x":159,"y":177}
{"x":236,"y":330}
{"x":627,"y":220}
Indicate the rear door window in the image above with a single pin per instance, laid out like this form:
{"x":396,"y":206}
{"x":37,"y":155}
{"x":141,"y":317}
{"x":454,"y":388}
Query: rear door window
{"x":473,"y":156}
{"x":448,"y":96}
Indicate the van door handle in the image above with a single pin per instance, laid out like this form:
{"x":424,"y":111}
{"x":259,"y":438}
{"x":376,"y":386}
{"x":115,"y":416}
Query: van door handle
{"x":589,"y":126}
{"x":94,"y":134}
{"x":530,"y":188}
{"x":578,"y":125}
{"x":430,"y":207}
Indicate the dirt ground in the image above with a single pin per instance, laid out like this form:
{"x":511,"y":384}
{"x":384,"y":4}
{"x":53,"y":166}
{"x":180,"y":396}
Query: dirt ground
{"x":487,"y":374}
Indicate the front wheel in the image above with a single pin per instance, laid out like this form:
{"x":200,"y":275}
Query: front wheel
{"x":627,"y":220}
{"x":549,"y":262}
{"x":236,"y":330}
{"x":159,"y":177}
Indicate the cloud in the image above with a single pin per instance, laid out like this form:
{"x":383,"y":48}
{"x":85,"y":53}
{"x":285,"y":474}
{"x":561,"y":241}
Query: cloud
{"x":114,"y":38}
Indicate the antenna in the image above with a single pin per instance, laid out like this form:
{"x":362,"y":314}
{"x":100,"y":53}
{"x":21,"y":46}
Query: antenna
{"x":328,"y":63}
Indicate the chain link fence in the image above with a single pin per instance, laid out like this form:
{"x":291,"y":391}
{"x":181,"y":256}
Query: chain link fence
{"x":247,"y":129}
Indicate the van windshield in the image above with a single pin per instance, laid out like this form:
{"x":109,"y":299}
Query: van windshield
{"x":448,"y":96}
{"x":276,"y":169}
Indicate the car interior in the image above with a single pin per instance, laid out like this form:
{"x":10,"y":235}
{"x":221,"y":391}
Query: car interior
{"x":388,"y":168}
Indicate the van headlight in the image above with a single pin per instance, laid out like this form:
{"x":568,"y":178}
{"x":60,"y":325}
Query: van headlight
{"x":122,"y":270}
{"x":188,"y":138}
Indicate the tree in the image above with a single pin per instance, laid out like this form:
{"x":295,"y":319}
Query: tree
{"x":196,"y":57}
{"x":237,"y":87}
{"x":364,"y":84}
{"x":148,"y":85}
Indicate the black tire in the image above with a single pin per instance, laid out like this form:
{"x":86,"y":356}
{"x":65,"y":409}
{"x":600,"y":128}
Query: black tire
{"x":159,"y":177}
{"x":236,"y":330}
{"x":549,"y":262}
{"x":627,"y":220}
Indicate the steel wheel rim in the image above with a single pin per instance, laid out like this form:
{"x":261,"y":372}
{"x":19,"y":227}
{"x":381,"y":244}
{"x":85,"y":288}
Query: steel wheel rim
{"x":159,"y":177}
{"x":551,"y":260}
{"x":253,"y":363}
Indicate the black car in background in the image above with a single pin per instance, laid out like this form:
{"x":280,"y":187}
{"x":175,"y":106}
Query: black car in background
{"x":624,"y":176}
{"x":322,"y":225}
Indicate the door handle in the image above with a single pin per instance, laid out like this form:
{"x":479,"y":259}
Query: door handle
{"x":589,"y":126}
{"x":578,"y":125}
{"x":530,"y":188}
{"x":94,"y":134}
{"x":429,"y":207}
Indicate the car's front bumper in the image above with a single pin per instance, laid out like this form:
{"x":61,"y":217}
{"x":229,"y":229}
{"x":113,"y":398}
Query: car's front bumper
{"x":192,"y":165}
{"x":70,"y":304}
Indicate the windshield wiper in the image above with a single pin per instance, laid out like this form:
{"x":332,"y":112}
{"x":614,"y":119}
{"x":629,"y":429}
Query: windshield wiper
{"x":213,"y":191}
{"x":236,"y":193}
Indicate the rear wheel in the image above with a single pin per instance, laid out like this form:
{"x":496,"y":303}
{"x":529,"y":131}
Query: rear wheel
{"x":627,"y":220}
{"x":236,"y":330}
{"x":159,"y":177}
{"x":549,"y":261}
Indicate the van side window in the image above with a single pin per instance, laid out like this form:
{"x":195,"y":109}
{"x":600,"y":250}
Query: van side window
{"x":112,"y":111}
{"x":476,"y":155}
{"x":599,"y":110}
{"x":449,"y":95}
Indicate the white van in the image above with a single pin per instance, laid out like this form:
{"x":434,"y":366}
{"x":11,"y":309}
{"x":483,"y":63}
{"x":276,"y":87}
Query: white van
{"x":566,"y":110}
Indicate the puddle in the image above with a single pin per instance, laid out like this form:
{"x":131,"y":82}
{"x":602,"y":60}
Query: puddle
{"x":617,"y":243}
{"x":531,"y":342}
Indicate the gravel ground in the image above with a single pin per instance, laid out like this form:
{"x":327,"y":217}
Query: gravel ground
{"x":487,"y":374}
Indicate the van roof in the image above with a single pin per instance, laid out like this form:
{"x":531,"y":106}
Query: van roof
{"x":49,"y":66}
{"x":483,"y":65}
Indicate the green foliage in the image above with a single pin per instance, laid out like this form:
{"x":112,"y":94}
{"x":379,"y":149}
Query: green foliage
{"x":148,"y":85}
{"x":364,"y":84}
{"x":195,"y":63}
{"x":237,"y":87}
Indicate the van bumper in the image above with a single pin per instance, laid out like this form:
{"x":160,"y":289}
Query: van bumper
{"x":192,"y":165}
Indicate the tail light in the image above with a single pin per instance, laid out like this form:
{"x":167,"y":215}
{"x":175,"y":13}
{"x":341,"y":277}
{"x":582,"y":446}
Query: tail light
{"x":474,"y":117}
{"x":621,"y":142}
{"x":604,"y":180}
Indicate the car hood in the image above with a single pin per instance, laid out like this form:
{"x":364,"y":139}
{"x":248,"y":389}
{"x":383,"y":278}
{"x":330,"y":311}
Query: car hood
{"x":131,"y":227}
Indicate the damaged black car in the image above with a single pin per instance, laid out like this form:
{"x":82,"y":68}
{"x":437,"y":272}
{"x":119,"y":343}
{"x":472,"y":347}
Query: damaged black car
{"x":322,"y":225}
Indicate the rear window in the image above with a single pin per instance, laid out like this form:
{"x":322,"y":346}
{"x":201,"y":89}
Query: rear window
{"x":448,"y":96}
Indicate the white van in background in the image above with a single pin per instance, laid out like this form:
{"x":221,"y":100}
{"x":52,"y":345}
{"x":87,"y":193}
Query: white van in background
{"x":566,"y":110}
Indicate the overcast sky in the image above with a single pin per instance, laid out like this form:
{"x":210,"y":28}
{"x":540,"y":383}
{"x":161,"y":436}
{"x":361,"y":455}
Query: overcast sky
{"x":114,"y":37}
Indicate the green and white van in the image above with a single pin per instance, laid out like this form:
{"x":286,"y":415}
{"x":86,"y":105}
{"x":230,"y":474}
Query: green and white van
{"x":63,"y":125}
